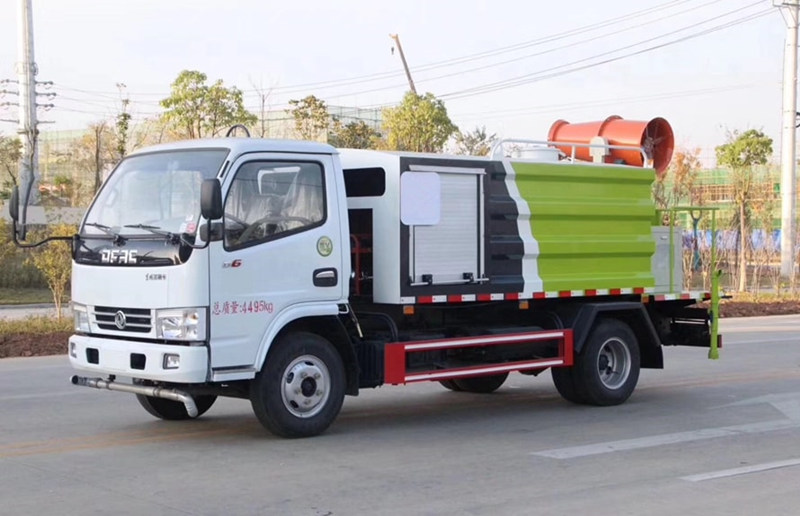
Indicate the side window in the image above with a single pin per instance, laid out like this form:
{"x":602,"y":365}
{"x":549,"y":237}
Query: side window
{"x":270,"y":199}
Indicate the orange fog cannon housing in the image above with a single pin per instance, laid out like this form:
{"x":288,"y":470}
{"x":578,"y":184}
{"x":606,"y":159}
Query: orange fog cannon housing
{"x":655,"y":138}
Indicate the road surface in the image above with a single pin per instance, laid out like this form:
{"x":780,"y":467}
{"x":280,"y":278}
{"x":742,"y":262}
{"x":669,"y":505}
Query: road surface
{"x":700,"y":437}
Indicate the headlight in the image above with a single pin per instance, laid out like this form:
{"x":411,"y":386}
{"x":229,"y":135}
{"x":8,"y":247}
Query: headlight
{"x":181,"y":324}
{"x":81,"y":317}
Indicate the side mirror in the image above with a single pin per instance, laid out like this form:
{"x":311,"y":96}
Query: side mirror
{"x":13,"y":204}
{"x":211,"y":199}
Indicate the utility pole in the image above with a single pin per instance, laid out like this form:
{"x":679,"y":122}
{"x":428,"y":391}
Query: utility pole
{"x":27,"y":122}
{"x":789,"y":10}
{"x":28,"y":128}
{"x":396,"y":39}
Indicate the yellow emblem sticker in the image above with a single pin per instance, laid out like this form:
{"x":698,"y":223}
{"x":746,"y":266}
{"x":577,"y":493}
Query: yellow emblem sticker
{"x":324,"y":246}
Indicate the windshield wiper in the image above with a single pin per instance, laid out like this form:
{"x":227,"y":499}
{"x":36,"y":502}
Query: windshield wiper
{"x":107,"y":230}
{"x":172,"y":237}
{"x":153,"y":229}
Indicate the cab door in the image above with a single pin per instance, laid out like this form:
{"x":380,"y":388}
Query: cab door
{"x":281,"y":253}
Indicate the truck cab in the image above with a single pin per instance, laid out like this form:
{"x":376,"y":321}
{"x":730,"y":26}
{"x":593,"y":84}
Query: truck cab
{"x":154,"y":281}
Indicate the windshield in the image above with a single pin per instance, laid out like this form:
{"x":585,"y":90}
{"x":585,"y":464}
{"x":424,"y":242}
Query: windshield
{"x":159,"y":190}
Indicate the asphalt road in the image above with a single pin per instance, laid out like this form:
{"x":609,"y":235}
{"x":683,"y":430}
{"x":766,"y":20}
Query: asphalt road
{"x":700,"y":437}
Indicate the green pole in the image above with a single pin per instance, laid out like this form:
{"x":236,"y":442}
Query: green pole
{"x":672,"y":252}
{"x":713,"y":351}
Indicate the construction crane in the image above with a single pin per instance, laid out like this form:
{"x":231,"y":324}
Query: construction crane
{"x":396,"y":39}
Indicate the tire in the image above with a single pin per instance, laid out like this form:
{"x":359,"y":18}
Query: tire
{"x":481,"y":384}
{"x":565,"y":384}
{"x":171,"y":410}
{"x":606,"y":370}
{"x":450,"y":385}
{"x":300,"y":390}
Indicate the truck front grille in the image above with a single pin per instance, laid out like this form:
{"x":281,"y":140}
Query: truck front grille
{"x":135,"y":320}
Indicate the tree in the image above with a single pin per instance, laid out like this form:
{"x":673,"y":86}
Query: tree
{"x":198,"y":110}
{"x":684,"y":168}
{"x":10,"y":154}
{"x":675,"y":186}
{"x":741,"y":153}
{"x":94,"y":153}
{"x":355,"y":135}
{"x":122,"y":124}
{"x":311,"y":117}
{"x":156,"y":130}
{"x":55,"y":262}
{"x":474,"y":143}
{"x":262,"y":127}
{"x":420,"y":124}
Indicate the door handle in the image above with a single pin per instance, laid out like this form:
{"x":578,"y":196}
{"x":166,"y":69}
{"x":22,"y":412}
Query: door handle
{"x":328,"y":277}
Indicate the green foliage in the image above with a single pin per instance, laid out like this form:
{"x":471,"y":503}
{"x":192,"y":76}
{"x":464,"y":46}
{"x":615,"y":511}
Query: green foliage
{"x":25,"y":296}
{"x":475,"y":142}
{"x":741,"y":153}
{"x":15,"y":271}
{"x":355,"y":135}
{"x":311,"y":117}
{"x":62,"y":190}
{"x":10,"y":154}
{"x":54,"y":260}
{"x":675,"y":187}
{"x":743,"y":150}
{"x":123,"y":123}
{"x":92,"y":154}
{"x":420,"y":124}
{"x":198,"y":110}
{"x":36,"y":326}
{"x":18,"y":272}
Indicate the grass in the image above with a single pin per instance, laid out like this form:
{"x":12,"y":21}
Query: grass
{"x":36,"y":325}
{"x":763,"y":297}
{"x":25,"y":296}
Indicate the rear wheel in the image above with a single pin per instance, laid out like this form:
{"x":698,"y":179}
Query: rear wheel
{"x":606,"y":370}
{"x":565,"y":384}
{"x":481,"y":384}
{"x":171,"y":410}
{"x":300,"y":389}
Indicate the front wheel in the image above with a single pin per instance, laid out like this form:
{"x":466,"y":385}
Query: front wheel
{"x":171,"y":410}
{"x":300,"y":389}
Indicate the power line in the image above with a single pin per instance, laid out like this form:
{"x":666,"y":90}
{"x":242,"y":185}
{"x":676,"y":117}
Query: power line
{"x":605,"y":102}
{"x":578,"y":43}
{"x":488,"y":53}
{"x":573,"y":44}
{"x":448,"y":62}
{"x":561,"y":66}
{"x":542,"y":74}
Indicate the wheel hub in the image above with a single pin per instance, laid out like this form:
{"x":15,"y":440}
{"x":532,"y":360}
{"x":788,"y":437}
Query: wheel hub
{"x":306,"y":386}
{"x":614,"y":363}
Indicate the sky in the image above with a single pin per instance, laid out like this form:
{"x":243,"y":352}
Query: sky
{"x":708,"y":66}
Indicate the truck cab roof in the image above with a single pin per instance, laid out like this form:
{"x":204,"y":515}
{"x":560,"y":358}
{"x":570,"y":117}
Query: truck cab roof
{"x":239,"y":146}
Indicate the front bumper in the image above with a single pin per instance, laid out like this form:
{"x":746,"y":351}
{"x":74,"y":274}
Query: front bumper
{"x":144,"y":360}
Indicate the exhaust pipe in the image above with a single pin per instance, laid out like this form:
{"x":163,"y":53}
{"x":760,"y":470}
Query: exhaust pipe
{"x":156,"y":392}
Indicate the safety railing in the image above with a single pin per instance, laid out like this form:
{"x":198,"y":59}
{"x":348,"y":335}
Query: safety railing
{"x":496,"y":150}
{"x":715,"y":272}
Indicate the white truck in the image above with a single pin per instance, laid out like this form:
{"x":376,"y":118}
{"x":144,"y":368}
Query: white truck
{"x":291,"y":273}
